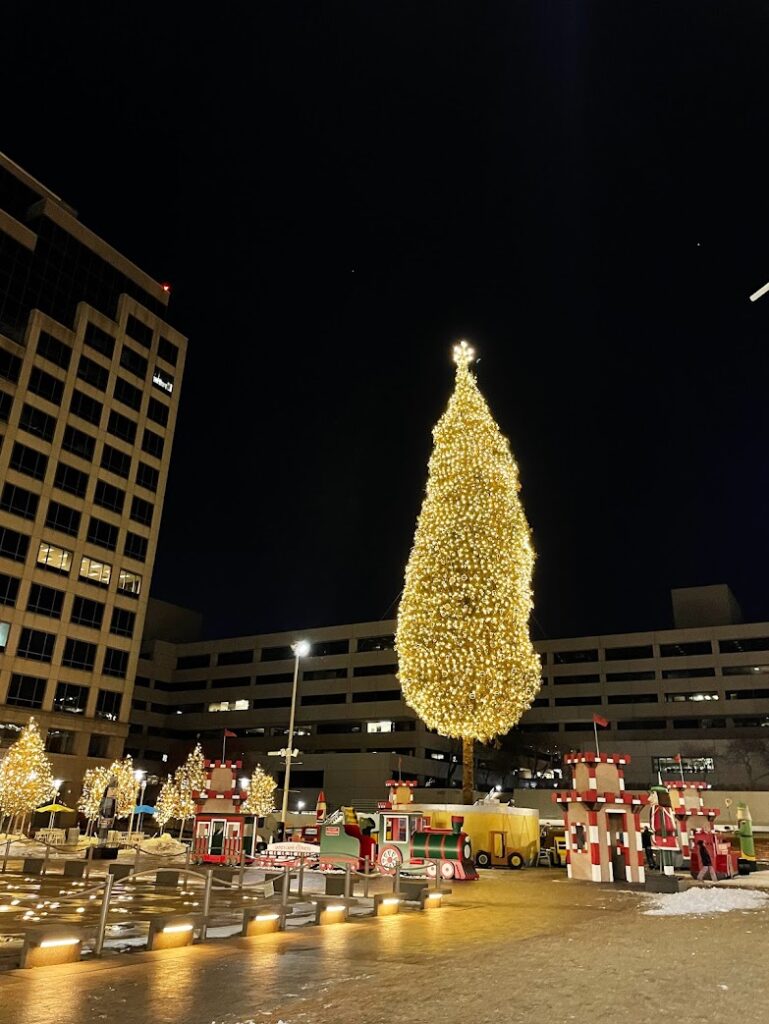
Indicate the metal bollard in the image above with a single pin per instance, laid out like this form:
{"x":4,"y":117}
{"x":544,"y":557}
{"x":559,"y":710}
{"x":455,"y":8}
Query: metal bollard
{"x":286,"y":886}
{"x":45,"y":859}
{"x":98,"y":945}
{"x":88,"y":859}
{"x":397,"y":881}
{"x":347,"y":881}
{"x":242,"y":870}
{"x":300,"y":890}
{"x":366,"y":866}
{"x":5,"y":855}
{"x":206,"y":904}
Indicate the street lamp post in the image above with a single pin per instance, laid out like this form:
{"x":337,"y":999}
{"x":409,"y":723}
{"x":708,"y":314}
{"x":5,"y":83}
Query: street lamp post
{"x":141,"y":784}
{"x":301,"y":649}
{"x":57,"y":784}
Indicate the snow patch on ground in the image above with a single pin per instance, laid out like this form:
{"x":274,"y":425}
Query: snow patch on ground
{"x":704,"y":901}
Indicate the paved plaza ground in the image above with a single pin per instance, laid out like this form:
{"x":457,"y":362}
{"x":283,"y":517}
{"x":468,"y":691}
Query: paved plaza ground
{"x":517,"y":946}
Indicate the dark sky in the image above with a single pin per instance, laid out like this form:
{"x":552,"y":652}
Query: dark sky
{"x":339,"y":191}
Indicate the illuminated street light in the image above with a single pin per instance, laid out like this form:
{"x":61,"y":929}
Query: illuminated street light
{"x":301,"y":649}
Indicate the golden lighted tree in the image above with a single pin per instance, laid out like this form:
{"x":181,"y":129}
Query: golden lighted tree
{"x":167,"y":803}
{"x":95,"y":782}
{"x":193,"y":771}
{"x":26,"y":778}
{"x":125,"y":786}
{"x":466,"y":661}
{"x":260,"y":800}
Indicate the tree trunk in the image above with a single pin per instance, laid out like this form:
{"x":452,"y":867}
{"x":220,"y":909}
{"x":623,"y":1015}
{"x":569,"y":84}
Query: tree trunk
{"x":468,"y":769}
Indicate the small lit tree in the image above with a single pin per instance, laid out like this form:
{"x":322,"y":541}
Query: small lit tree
{"x":260,"y":799}
{"x":95,"y":782}
{"x":126,"y":787}
{"x":26,"y":778}
{"x":166,"y":804}
{"x":194,"y":770}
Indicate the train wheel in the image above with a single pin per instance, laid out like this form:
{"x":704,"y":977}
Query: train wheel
{"x":447,"y":869}
{"x":515,"y":861}
{"x":483,"y":859}
{"x":431,"y":871}
{"x":390,"y":858}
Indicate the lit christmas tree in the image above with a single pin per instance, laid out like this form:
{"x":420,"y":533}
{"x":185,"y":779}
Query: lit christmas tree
{"x":466,"y":661}
{"x":95,"y":782}
{"x":260,"y":800}
{"x":193,"y":771}
{"x":26,"y":779}
{"x":166,"y":804}
{"x":125,"y":787}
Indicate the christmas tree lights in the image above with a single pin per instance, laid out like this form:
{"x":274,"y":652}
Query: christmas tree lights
{"x":166,"y":805}
{"x":26,"y":778}
{"x":466,"y":661}
{"x":125,"y":786}
{"x":95,"y":782}
{"x":260,"y":800}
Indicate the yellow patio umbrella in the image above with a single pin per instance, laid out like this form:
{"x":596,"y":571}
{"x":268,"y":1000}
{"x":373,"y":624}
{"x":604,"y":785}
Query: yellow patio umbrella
{"x":53,"y":808}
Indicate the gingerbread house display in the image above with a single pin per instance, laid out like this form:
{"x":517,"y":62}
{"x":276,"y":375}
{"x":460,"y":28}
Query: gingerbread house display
{"x":222,"y":832}
{"x":602,"y":821}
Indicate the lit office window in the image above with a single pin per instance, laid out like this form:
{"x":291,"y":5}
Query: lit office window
{"x":229,"y":705}
{"x":129,"y":582}
{"x":95,"y":572}
{"x":383,"y":726}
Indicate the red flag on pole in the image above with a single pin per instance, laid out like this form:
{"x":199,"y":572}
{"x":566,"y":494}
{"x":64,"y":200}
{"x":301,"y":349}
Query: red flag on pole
{"x":677,"y":758}
{"x":603,"y":722}
{"x":233,"y":735}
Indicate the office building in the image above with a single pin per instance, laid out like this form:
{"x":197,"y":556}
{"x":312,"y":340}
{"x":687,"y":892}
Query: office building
{"x":694,"y":690}
{"x":89,"y":388}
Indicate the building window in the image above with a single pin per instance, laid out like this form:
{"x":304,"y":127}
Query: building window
{"x":92,"y":373}
{"x":99,"y":340}
{"x":324,"y":673}
{"x":97,"y":745}
{"x":167,"y":351}
{"x":46,"y":386}
{"x":108,"y":705}
{"x":121,"y":427}
{"x":325,"y":648}
{"x":272,"y":702}
{"x":53,"y":558}
{"x":85,"y":407}
{"x":689,"y":766}
{"x":122,"y":622}
{"x":630,"y":677}
{"x":591,"y":677}
{"x":18,"y":501}
{"x":9,"y":590}
{"x":234,"y":657}
{"x":277,"y":653}
{"x":78,"y":443}
{"x":384,"y":725}
{"x":94,"y":571}
{"x":574,"y":702}
{"x":141,"y":511}
{"x":59,"y":741}
{"x":127,"y":394}
{"x":135,"y":546}
{"x":53,"y":350}
{"x":685,"y":650}
{"x":36,"y":422}
{"x":115,"y":461}
{"x":13,"y":545}
{"x":103,"y":534}
{"x":230,"y":683}
{"x":63,"y":518}
{"x":574,"y":657}
{"x":158,"y":412}
{"x":45,"y":601}
{"x":26,"y":691}
{"x":193,"y":661}
{"x":313,"y":699}
{"x":86,"y":612}
{"x":9,"y":733}
{"x":131,"y":360}
{"x":5,"y":628}
{"x":676,"y":698}
{"x":29,"y":461}
{"x":375,"y":670}
{"x":628,"y":653}
{"x":687,"y":673}
{"x":152,"y":443}
{"x":6,"y":401}
{"x":138,"y":705}
{"x":115,"y":663}
{"x":632,"y":698}
{"x":376,"y":643}
{"x":229,"y":705}
{"x":71,"y":698}
{"x":278,"y":677}
{"x":109,"y":497}
{"x":147,"y":477}
{"x":129,"y":582}
{"x":79,"y":654}
{"x":10,"y":365}
{"x":36,"y":645}
{"x":370,"y":696}
{"x":643,"y":723}
{"x":760,"y":694}
{"x":139,"y":331}
{"x":71,"y":480}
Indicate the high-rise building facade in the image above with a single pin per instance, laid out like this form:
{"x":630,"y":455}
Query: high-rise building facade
{"x":90,"y":374}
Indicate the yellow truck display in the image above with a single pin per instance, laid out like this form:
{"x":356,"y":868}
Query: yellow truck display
{"x":500,"y":835}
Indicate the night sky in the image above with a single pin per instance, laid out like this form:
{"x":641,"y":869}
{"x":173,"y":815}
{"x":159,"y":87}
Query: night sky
{"x":339,"y":191}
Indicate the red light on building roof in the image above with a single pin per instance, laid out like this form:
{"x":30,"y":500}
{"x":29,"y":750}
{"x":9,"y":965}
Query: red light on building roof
{"x":166,"y":286}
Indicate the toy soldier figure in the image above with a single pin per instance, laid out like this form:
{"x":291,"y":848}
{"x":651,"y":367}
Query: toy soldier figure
{"x":663,"y":827}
